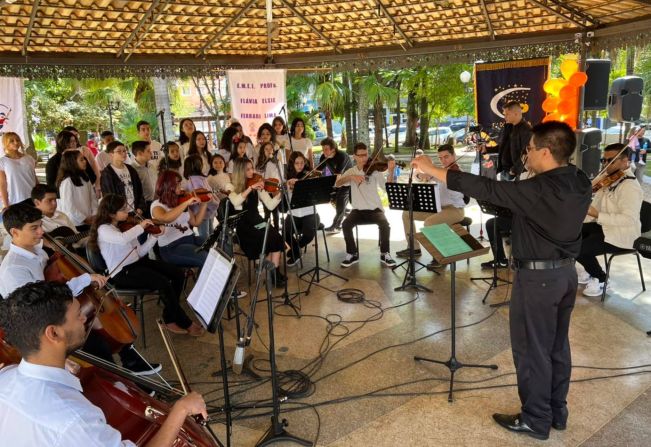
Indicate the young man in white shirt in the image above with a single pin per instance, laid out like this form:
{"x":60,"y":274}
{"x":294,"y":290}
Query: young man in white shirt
{"x":141,"y":162}
{"x":144,"y":133}
{"x":41,"y":403}
{"x":25,"y":263}
{"x":367,"y":205}
{"x":103,"y":158}
{"x":44,"y":198}
{"x":613,"y":220}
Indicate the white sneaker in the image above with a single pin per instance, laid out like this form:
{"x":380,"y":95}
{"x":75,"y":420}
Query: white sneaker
{"x":387,"y":260}
{"x":593,"y":288}
{"x":584,"y":277}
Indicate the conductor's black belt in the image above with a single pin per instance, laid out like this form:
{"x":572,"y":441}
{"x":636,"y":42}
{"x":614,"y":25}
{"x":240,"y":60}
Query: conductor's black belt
{"x":519,"y":264}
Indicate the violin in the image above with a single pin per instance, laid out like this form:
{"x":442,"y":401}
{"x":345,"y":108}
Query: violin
{"x":271,"y":185}
{"x":132,"y":221}
{"x":608,"y":180}
{"x":202,"y":194}
{"x":119,"y":324}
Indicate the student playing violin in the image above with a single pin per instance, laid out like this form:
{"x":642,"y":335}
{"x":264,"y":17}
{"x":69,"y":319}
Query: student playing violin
{"x":245,"y":197}
{"x":178,"y":246}
{"x":269,"y":167}
{"x":196,"y":180}
{"x":304,"y":218}
{"x":130,"y":267}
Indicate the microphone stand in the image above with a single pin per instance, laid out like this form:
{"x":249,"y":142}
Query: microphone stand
{"x":409,"y":280}
{"x":286,"y":296}
{"x":166,"y":150}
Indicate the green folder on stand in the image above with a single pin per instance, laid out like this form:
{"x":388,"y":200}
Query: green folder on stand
{"x":446,"y":241}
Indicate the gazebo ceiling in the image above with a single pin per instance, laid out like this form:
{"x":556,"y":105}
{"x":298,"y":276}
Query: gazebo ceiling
{"x":227,"y":33}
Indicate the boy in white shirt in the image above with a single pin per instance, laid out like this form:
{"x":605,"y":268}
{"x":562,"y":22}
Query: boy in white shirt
{"x":144,"y":133}
{"x":367,"y":205}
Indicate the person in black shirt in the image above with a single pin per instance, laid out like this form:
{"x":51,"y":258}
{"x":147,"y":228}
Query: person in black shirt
{"x":334,"y":162}
{"x":548,"y":212}
{"x":513,"y":139}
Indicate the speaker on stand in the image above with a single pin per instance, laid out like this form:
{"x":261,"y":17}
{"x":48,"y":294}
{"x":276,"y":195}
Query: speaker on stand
{"x":625,"y":99}
{"x":587,"y":155}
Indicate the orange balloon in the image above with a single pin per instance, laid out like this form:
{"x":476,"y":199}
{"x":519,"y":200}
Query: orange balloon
{"x":552,"y":117}
{"x":550,"y":104}
{"x":578,"y":79}
{"x":572,"y":122}
{"x":568,"y":92}
{"x":564,"y":107}
{"x":553,"y":86}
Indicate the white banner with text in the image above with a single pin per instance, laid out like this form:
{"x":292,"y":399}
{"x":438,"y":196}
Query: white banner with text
{"x":257,"y":96}
{"x":12,"y":109}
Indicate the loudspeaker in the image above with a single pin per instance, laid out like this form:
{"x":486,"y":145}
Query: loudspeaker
{"x":625,"y":99}
{"x":587,"y":155}
{"x":595,"y":93}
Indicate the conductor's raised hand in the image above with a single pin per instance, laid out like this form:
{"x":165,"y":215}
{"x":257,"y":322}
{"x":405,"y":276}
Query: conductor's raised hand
{"x":422,"y":162}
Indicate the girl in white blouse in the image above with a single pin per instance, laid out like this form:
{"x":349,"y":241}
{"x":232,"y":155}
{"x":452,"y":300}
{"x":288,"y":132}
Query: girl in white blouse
{"x":130,"y":267}
{"x":17,"y":172}
{"x":298,"y":140}
{"x":77,"y":194}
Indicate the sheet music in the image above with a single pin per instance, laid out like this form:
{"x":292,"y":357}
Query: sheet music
{"x":209,"y":288}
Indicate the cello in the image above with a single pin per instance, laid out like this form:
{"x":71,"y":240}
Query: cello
{"x":127,"y":408}
{"x":119,"y":324}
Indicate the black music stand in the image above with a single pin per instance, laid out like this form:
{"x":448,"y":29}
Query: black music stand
{"x":312,"y":192}
{"x":494,"y":280}
{"x":214,"y":289}
{"x":425,"y":198}
{"x":476,"y":250}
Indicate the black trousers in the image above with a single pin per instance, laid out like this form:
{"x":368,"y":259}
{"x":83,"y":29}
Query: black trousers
{"x":541,"y":306}
{"x":305,"y":228}
{"x":357,"y":217}
{"x":592,"y":245}
{"x":503,"y":227}
{"x":166,"y":278}
{"x":96,"y":345}
{"x":342,"y":197}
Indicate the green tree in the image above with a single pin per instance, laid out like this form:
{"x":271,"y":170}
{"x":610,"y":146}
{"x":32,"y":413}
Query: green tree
{"x":378,"y":92}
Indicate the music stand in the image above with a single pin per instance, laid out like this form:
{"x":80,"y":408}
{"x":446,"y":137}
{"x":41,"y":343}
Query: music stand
{"x":477,"y":249}
{"x":494,"y":280}
{"x":312,"y":192}
{"x":425,"y":198}
{"x":208,"y":300}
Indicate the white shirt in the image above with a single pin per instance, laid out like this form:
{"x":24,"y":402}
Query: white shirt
{"x":219,"y":182}
{"x":78,"y":202}
{"x":172,"y":234}
{"x":117,"y":248}
{"x":147,"y":179}
{"x":301,"y":145}
{"x":283,"y":141}
{"x":156,"y":156}
{"x":619,"y":211}
{"x":365,"y":195}
{"x":21,"y":177}
{"x":22,"y":266}
{"x":226,"y":154}
{"x":57,"y":220}
{"x":125,"y":177}
{"x":103,"y":159}
{"x":44,"y":406}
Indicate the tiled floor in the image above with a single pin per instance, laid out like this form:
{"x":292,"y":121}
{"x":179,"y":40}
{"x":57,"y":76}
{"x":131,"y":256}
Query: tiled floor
{"x":368,"y":391}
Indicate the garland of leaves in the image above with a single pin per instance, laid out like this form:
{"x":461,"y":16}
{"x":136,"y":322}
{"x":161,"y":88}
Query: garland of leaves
{"x":39,"y":70}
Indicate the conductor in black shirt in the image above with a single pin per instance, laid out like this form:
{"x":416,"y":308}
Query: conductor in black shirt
{"x":548,"y":211}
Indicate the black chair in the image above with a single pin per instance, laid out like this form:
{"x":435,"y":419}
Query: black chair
{"x":645,"y":220}
{"x":96,"y":261}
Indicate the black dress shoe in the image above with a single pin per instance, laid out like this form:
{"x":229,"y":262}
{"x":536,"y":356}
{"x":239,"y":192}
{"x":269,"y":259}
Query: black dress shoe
{"x":515,"y":423}
{"x":559,"y":418}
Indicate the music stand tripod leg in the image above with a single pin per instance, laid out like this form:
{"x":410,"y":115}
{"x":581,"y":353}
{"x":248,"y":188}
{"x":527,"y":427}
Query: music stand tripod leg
{"x":452,"y":363}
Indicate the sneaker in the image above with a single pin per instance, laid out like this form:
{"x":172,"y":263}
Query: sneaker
{"x":491,"y":264}
{"x":332,"y":229}
{"x":349,"y":260}
{"x":405,"y":253}
{"x":291,"y":262}
{"x":584,"y":277}
{"x":141,"y":368}
{"x":593,"y":287}
{"x":387,"y":260}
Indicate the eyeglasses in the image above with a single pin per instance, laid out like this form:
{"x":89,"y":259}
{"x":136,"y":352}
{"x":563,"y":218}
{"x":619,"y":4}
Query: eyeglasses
{"x":607,"y":160}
